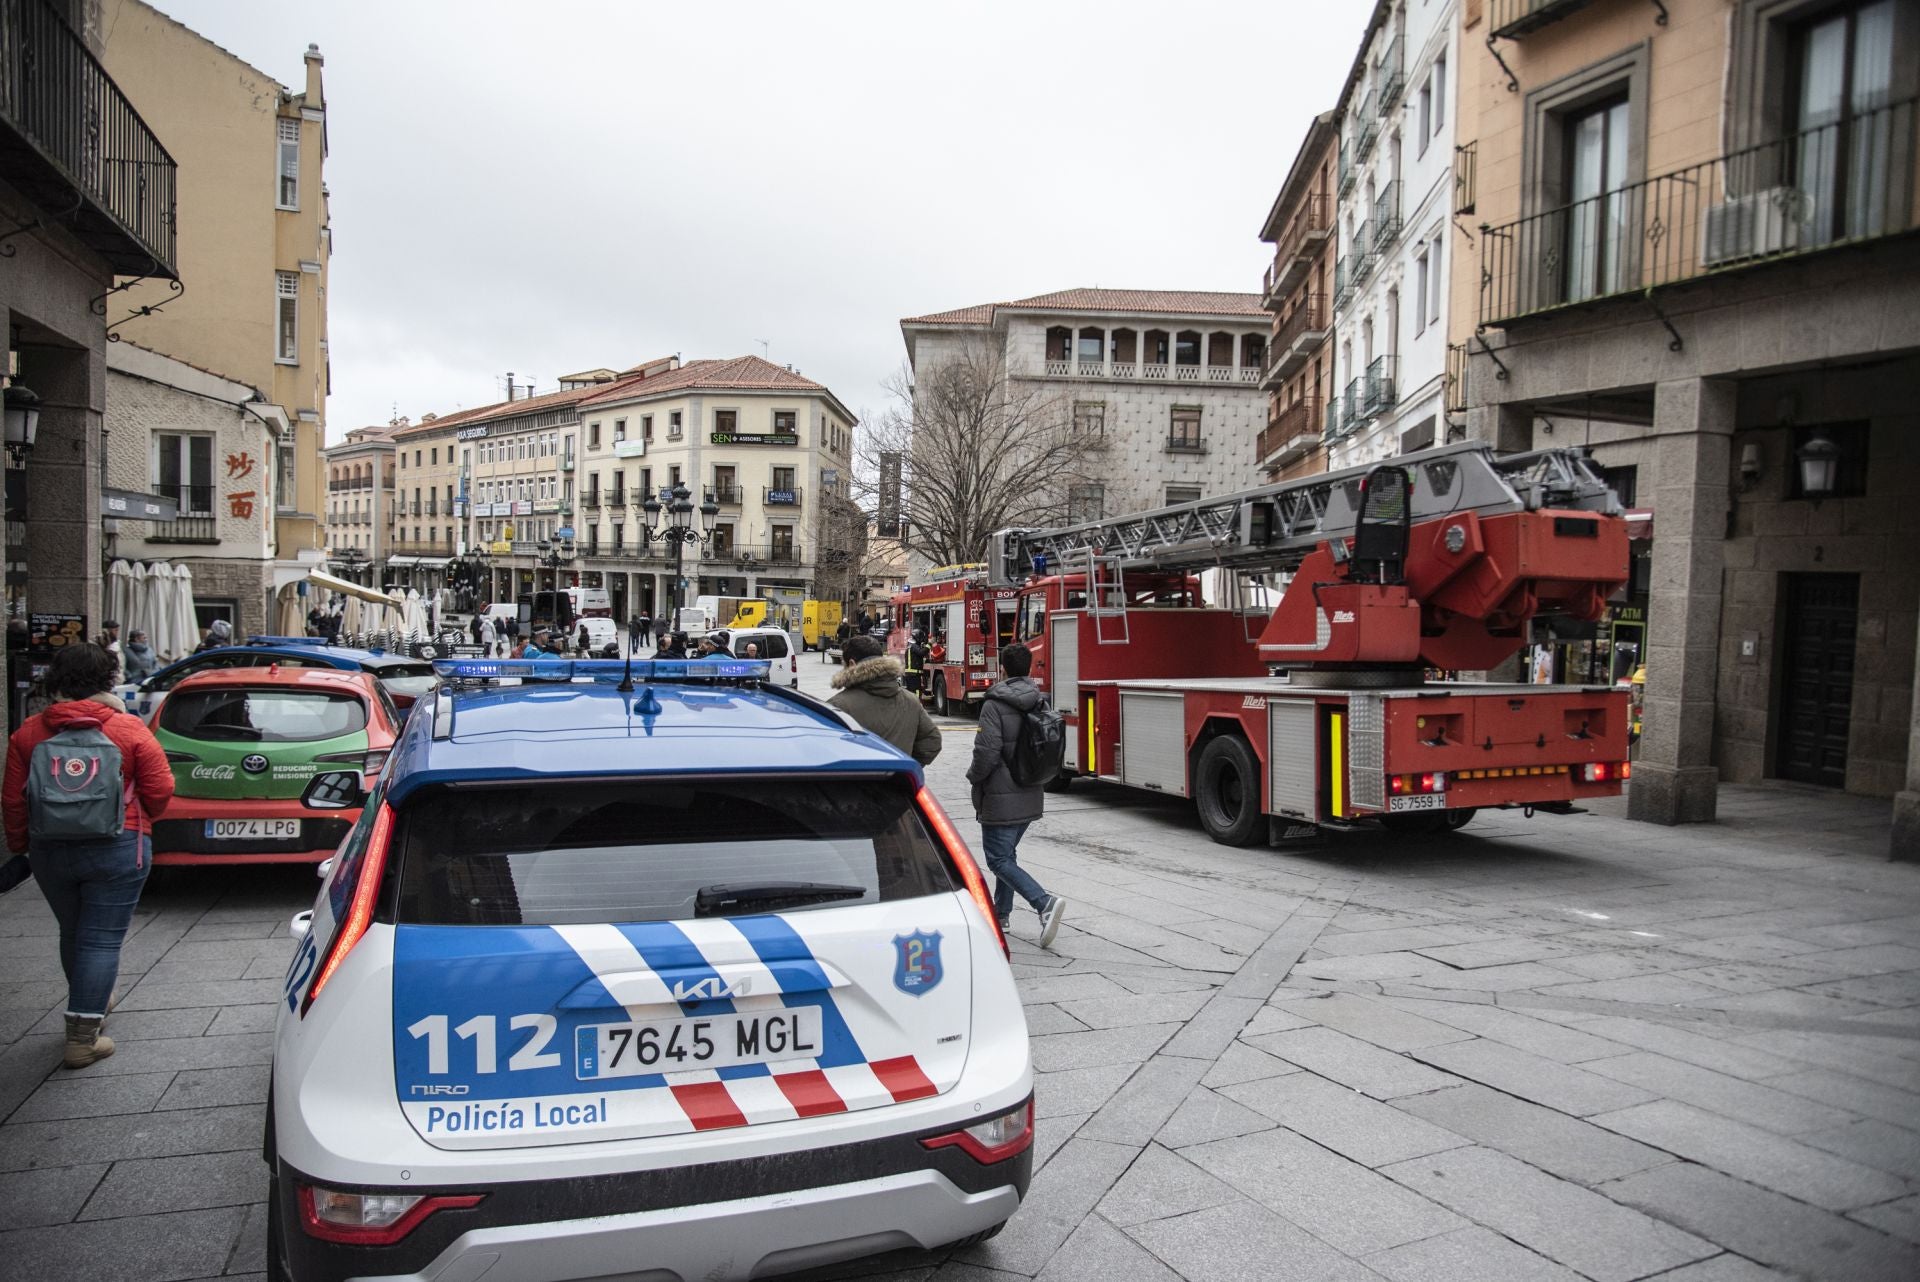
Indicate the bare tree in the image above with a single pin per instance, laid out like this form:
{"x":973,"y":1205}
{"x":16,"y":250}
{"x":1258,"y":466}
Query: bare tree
{"x":979,"y":451}
{"x":842,"y":551}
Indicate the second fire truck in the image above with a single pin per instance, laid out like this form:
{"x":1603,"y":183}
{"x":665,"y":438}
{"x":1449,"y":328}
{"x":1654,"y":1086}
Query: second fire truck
{"x":1323,"y":710}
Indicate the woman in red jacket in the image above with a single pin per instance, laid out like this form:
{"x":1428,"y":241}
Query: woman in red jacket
{"x":92,"y":883}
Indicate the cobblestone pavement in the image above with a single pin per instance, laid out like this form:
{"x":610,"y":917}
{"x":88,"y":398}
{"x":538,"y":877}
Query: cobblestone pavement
{"x":1537,"y":1049}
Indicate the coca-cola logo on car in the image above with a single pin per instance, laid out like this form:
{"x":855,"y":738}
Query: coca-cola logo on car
{"x":213,"y":772}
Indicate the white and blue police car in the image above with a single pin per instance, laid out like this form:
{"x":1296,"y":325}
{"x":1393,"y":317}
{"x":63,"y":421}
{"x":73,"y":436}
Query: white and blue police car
{"x":646,"y":971}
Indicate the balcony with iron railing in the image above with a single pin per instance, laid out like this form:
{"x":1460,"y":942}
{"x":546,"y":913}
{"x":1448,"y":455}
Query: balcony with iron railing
{"x":1838,"y":184}
{"x":1512,"y":19}
{"x":1291,"y":432}
{"x":1366,"y":130}
{"x":1150,"y":371}
{"x":1350,"y":407}
{"x":1386,"y":217}
{"x":1455,"y":401}
{"x":1377,"y":390}
{"x":1362,"y":255}
{"x":73,"y":144}
{"x":727,"y":495}
{"x":1342,"y":282}
{"x":1299,"y":335}
{"x":196,"y":522}
{"x":1294,"y":251}
{"x":1466,"y":176}
{"x":590,"y":500}
{"x":1392,"y":73}
{"x":616,"y":498}
{"x":1331,"y":431}
{"x":1348,"y":175}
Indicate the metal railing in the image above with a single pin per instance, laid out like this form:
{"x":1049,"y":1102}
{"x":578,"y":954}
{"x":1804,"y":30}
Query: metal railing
{"x":185,"y":529}
{"x":56,"y":96}
{"x":1177,"y":444}
{"x":1302,"y":418}
{"x":1511,"y":19}
{"x":1386,"y":216}
{"x":1837,"y":184}
{"x":1335,"y":416}
{"x":1310,"y":316}
{"x":1362,"y":255}
{"x":1392,"y":73}
{"x":1350,"y":405}
{"x":590,"y":500}
{"x":1367,"y":131}
{"x":727,"y":495}
{"x":1455,"y":400}
{"x":617,"y":498}
{"x":1377,"y":392}
{"x":1348,"y":175}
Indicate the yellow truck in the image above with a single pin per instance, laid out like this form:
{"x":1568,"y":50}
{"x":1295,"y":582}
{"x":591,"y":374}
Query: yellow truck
{"x":819,"y":621}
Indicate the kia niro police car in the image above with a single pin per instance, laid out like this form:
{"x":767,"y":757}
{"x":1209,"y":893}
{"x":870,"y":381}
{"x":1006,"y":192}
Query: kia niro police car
{"x":661,"y":975}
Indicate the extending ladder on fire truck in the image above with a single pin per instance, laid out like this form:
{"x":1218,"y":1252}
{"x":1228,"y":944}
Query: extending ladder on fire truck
{"x":1274,"y":527}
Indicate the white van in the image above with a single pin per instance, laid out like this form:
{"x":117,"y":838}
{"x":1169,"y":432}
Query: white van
{"x":774,"y":646}
{"x":590,"y":603}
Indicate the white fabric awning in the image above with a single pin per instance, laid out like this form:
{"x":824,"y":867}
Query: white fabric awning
{"x":403,"y":560}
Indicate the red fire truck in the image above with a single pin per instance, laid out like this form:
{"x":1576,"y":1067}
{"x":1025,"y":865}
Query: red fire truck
{"x":958,"y":611}
{"x":1320,"y":711}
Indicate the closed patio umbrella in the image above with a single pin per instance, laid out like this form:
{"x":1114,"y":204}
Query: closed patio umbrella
{"x":185,"y":619}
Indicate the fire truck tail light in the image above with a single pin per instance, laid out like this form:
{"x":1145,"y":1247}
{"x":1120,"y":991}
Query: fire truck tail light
{"x":1402,"y":784}
{"x":1603,"y":771}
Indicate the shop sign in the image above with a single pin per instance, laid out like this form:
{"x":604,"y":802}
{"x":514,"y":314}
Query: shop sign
{"x":782,"y":496}
{"x":472,"y":433}
{"x":131,"y":505}
{"x":49,"y":632}
{"x":522,"y":507}
{"x":754,"y":438}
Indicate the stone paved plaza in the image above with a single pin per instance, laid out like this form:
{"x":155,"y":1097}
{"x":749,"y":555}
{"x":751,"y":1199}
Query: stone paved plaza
{"x":1537,"y":1049}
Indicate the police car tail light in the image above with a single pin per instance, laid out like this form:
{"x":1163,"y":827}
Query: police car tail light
{"x":956,"y":847}
{"x":373,"y":868}
{"x":994,"y":1140}
{"x":370,"y":1219}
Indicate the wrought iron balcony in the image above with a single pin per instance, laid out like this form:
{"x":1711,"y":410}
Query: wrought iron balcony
{"x":1299,"y":241}
{"x":1348,"y":175}
{"x":1291,"y":432}
{"x":727,"y":495}
{"x":1466,"y":176}
{"x":1342,"y":283}
{"x":1304,"y":329}
{"x":1386,"y":217}
{"x":590,"y":500}
{"x":74,"y":146}
{"x":1362,"y":256}
{"x":1837,"y":184}
{"x":1377,"y":391}
{"x":1393,"y":74}
{"x":1511,"y":19}
{"x":1367,"y":131}
{"x":1457,"y":366}
{"x":1334,"y":417}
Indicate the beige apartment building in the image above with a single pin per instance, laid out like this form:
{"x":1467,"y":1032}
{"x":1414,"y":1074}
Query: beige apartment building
{"x":1692,"y":253}
{"x":360,"y":491}
{"x":1297,"y":289}
{"x":254,"y":240}
{"x":425,"y":520}
{"x":772,"y":448}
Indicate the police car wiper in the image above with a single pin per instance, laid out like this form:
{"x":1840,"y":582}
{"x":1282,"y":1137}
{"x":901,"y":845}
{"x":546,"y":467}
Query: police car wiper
{"x":766,"y":896}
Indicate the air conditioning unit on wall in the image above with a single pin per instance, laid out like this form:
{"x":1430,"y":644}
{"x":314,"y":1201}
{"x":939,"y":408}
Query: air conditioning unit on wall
{"x":1756,"y":226}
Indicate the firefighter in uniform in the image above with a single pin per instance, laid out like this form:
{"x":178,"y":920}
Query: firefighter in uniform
{"x":916,"y":657}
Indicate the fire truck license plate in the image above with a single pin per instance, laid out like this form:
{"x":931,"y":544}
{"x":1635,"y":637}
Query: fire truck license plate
{"x":1419,"y":801}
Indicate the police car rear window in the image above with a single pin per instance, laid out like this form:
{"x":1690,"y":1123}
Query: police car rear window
{"x":624,"y":850}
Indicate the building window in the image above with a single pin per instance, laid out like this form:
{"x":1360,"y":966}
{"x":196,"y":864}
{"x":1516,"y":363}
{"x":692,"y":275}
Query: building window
{"x":1596,"y":229}
{"x":1843,"y":64}
{"x":286,"y":286}
{"x":593,"y":435}
{"x":674,"y":428}
{"x":1184,"y":431}
{"x":288,"y":193}
{"x":1438,"y":281}
{"x":183,"y":470}
{"x":1090,"y":419}
{"x":786,"y":421}
{"x":1086,"y":502}
{"x":1420,"y":294}
{"x":619,"y":537}
{"x":646,"y":427}
{"x":434,"y":456}
{"x":1439,"y":93}
{"x":726,"y":420}
{"x":619,"y":429}
{"x":1624,"y":482}
{"x":1850,"y":477}
{"x":783,"y":481}
{"x":783,"y":543}
{"x":1182,"y":494}
{"x":1426,"y":115}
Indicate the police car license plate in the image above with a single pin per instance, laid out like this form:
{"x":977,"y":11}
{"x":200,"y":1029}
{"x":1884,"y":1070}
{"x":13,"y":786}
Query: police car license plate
{"x":1418,"y":801}
{"x":711,"y":1041}
{"x":253,"y":829}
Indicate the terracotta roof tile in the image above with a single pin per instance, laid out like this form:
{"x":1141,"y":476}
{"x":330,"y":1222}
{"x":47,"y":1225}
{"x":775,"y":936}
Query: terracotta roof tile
{"x":1170,"y":302}
{"x":742,"y":373}
{"x":504,"y":409}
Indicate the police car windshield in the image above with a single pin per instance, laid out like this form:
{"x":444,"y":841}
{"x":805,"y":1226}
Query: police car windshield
{"x":263,"y":716}
{"x":644,"y":849}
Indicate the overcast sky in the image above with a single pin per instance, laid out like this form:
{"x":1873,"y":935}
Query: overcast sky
{"x":549,"y":187}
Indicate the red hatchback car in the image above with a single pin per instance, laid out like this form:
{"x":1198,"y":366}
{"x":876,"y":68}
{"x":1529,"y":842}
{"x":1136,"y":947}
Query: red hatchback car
{"x":245,"y":743}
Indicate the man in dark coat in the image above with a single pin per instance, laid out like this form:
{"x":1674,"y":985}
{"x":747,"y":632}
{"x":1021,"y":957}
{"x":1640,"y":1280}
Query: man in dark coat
{"x":871,"y":693}
{"x":1006,"y":809}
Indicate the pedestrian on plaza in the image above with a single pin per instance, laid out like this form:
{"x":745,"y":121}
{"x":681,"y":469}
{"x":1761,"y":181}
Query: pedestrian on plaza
{"x":109,"y":640}
{"x":673,"y":645}
{"x":488,"y":638}
{"x":140,"y":660}
{"x":916,"y":663}
{"x":585,"y":641}
{"x":316,"y":621}
{"x":474,"y":627}
{"x":537,"y":648}
{"x":717,"y":645}
{"x":218,"y":633}
{"x":92,"y":852}
{"x":637,"y":631}
{"x":872,"y":694}
{"x":510,"y":633}
{"x":1004,"y":808}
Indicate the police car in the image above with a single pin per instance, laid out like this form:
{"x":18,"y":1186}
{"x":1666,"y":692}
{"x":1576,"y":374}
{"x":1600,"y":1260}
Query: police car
{"x":644,"y":970}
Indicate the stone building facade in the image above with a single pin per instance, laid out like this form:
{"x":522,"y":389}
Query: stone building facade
{"x":206,"y":443}
{"x":1690,"y":256}
{"x":359,"y":502}
{"x":1168,"y":380}
{"x":1298,"y":290}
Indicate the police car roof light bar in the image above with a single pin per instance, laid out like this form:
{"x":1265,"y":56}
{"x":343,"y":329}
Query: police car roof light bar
{"x":603,"y":669}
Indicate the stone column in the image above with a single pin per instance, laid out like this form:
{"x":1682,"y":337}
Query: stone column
{"x":1905,"y":844}
{"x":63,"y":481}
{"x":1674,"y":779}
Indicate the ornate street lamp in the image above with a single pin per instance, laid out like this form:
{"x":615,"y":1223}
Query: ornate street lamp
{"x":552,"y":556}
{"x":352,"y":558}
{"x":679,"y":530}
{"x":22,"y":420}
{"x":1819,"y":461}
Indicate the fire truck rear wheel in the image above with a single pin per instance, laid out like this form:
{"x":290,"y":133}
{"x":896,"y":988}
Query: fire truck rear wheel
{"x":1227,"y":792}
{"x":1458,"y":819}
{"x":941,"y":705}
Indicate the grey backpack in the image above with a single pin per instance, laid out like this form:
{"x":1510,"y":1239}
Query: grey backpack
{"x":75,"y":786}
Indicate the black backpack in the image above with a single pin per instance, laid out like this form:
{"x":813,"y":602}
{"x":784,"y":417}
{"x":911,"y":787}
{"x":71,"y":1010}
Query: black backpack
{"x":1040,"y":746}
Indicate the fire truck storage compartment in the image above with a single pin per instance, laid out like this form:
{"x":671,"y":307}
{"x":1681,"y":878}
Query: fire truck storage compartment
{"x":1366,"y":752}
{"x":1153,"y":741}
{"x":1063,"y":658}
{"x":1293,"y":781}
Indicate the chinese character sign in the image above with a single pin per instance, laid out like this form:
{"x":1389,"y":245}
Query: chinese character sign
{"x":239,"y":465}
{"x":240,"y":503}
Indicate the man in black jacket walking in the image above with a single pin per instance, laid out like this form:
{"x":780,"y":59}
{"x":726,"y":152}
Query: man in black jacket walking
{"x":1006,"y":809}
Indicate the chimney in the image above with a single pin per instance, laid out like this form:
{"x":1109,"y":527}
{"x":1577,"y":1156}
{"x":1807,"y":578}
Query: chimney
{"x":509,"y":384}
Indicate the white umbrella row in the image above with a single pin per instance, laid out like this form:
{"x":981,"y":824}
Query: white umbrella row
{"x":156,"y":598}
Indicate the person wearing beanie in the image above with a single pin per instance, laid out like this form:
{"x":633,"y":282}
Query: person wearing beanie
{"x":218,"y":633}
{"x":871,"y":693}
